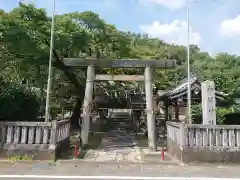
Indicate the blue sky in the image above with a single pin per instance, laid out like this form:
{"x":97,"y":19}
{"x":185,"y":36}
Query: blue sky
{"x":215,"y":24}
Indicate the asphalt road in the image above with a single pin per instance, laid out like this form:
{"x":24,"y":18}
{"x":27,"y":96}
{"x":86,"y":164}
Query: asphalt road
{"x":114,"y":171}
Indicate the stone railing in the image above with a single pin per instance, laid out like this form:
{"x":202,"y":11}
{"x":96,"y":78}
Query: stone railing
{"x":207,"y":143}
{"x":174,"y":141}
{"x":40,"y":140}
{"x":209,"y":136}
{"x":63,"y":130}
{"x":173,"y":129}
{"x":25,"y":132}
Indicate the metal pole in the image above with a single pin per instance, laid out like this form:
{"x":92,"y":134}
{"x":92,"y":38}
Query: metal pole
{"x":47,"y":109}
{"x":188,"y":65}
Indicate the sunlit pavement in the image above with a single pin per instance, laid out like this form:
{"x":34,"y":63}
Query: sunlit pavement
{"x":75,"y":168}
{"x":117,"y":146}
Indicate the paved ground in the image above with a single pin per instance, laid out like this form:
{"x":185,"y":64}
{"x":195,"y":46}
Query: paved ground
{"x":116,"y":146}
{"x":71,"y":168}
{"x":121,"y":146}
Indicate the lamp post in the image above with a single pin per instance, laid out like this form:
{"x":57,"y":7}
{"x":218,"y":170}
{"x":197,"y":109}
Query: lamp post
{"x":188,"y":65}
{"x":47,"y":109}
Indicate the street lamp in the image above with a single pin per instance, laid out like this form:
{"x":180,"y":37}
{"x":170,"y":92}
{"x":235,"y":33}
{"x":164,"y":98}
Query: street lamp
{"x":47,"y":109}
{"x":188,"y":64}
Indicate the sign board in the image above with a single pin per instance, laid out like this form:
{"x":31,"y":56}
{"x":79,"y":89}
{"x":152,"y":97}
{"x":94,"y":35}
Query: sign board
{"x":208,"y":102}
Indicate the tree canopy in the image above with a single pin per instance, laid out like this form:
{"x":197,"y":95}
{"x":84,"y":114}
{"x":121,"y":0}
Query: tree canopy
{"x":24,"y":49}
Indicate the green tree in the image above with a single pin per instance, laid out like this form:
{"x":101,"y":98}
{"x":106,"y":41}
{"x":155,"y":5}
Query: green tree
{"x":24,"y":49}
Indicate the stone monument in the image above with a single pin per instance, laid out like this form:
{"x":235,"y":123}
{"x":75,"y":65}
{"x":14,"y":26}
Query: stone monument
{"x":208,"y":102}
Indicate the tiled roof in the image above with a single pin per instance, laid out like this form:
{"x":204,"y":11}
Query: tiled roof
{"x":183,"y":88}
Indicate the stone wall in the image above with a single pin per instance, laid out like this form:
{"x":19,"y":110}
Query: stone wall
{"x":28,"y":152}
{"x":213,"y":155}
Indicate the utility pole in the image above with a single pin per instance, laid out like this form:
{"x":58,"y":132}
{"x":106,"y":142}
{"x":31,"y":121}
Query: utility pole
{"x":47,"y":108}
{"x":188,"y":65}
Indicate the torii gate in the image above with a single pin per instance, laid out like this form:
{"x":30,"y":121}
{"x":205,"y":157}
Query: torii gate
{"x":91,"y":63}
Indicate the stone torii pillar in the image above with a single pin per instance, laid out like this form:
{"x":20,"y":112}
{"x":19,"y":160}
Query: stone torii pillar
{"x":151,"y":124}
{"x":87,"y":104}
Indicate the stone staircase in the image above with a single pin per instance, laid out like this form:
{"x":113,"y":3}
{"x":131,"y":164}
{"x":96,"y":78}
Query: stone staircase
{"x":120,"y":120}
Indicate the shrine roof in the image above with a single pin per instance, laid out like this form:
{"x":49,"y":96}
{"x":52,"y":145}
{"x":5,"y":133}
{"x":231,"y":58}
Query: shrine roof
{"x":182,"y":89}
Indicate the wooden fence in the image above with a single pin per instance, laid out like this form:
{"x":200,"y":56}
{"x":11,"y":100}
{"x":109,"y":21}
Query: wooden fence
{"x":198,"y":142}
{"x":24,"y":136}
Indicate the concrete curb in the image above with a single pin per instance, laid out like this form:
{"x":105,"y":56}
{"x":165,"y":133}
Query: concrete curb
{"x":79,"y":162}
{"x":97,"y":162}
{"x":154,"y":157}
{"x":26,"y":161}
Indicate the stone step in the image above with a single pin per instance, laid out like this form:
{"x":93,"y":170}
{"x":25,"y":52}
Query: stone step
{"x":119,"y":121}
{"x":120,"y":114}
{"x":120,"y":117}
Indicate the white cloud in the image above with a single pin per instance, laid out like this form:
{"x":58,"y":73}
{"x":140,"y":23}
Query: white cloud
{"x":171,"y":4}
{"x":175,"y":32}
{"x":27,"y":1}
{"x":230,"y":27}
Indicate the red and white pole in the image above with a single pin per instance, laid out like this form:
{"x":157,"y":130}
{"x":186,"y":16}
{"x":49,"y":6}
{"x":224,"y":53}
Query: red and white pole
{"x":75,"y":153}
{"x":162,"y":155}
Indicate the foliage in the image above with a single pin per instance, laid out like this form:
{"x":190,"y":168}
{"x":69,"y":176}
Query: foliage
{"x":197,"y":114}
{"x":17,"y":102}
{"x":220,"y":114}
{"x":19,"y":158}
{"x":24,"y":50}
{"x":232,"y":118}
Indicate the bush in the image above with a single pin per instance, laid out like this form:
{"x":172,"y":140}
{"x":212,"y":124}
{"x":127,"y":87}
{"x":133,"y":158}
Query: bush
{"x":197,"y":114}
{"x":17,"y":102}
{"x":220,"y":114}
{"x":232,"y":118}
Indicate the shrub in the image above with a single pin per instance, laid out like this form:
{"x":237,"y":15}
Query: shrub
{"x":232,"y":118}
{"x":220,"y":114}
{"x":17,"y":102}
{"x":197,"y":114}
